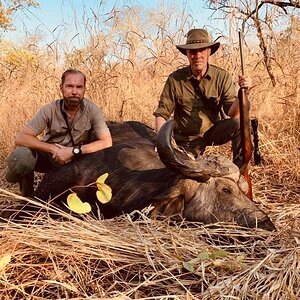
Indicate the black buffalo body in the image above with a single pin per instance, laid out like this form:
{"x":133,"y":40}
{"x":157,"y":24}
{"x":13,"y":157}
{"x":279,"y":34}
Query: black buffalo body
{"x":209,"y":189}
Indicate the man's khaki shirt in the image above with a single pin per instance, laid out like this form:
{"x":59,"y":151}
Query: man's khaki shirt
{"x":50,"y":121}
{"x":196,"y":105}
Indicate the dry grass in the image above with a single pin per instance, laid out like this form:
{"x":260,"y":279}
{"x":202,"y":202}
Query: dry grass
{"x":126,"y":64}
{"x":88,"y":259}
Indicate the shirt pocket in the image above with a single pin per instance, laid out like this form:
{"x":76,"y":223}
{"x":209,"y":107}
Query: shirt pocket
{"x":81,"y":131}
{"x":188,"y":103}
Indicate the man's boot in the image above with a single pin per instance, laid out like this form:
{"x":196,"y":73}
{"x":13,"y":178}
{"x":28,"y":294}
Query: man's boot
{"x":26,"y":185}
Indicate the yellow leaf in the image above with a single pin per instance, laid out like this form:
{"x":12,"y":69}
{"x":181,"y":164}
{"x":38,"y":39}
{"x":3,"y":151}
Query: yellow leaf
{"x":4,"y":261}
{"x":218,"y":263}
{"x":101,"y":179}
{"x":104,"y":193}
{"x":76,"y":205}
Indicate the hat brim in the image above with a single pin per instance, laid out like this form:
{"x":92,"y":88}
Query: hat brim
{"x":214,"y":47}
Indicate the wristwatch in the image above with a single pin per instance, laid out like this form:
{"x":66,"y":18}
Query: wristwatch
{"x":77,"y":150}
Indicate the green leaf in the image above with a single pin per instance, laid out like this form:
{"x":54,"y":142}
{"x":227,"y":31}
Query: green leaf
{"x":188,"y":266}
{"x":241,"y":257}
{"x":218,"y":253}
{"x":243,"y":266}
{"x":221,"y":253}
{"x":203,"y":256}
{"x":212,"y":256}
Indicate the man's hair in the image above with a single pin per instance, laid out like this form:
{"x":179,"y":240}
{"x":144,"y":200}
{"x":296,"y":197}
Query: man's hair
{"x":71,"y":71}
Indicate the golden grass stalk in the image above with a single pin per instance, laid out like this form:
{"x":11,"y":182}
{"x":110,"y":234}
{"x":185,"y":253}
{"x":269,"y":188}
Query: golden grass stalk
{"x":127,"y":60}
{"x":147,"y":259}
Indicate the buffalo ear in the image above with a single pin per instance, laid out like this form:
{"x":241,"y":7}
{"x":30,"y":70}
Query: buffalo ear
{"x":243,"y":184}
{"x":168,"y":207}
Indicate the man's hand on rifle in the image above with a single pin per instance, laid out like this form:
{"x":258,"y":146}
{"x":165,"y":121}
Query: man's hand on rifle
{"x":245,"y":81}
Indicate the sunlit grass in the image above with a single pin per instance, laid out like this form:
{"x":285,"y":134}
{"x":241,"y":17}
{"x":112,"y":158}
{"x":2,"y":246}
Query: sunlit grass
{"x":127,"y":57}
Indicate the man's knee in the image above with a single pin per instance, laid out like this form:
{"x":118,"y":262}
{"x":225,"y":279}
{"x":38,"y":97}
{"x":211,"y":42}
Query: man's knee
{"x":233,"y":124}
{"x":20,"y":163}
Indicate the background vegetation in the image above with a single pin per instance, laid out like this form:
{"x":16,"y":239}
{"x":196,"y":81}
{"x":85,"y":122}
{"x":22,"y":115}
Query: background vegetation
{"x":127,"y":56}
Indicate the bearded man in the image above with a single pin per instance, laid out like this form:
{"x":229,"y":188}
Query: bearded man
{"x":71,"y":127}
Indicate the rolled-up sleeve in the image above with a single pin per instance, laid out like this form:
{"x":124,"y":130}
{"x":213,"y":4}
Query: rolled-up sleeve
{"x":40,"y":121}
{"x":166,"y":103}
{"x":98,"y":121}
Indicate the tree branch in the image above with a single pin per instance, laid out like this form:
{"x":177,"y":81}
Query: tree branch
{"x":282,"y":4}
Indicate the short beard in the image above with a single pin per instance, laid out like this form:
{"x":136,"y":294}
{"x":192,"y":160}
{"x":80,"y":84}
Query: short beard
{"x":72,"y":102}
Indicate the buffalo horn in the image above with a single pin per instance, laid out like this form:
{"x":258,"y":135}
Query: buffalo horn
{"x":200,"y":169}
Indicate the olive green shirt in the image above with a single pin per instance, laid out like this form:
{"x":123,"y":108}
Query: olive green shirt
{"x":50,"y":121}
{"x":196,"y":105}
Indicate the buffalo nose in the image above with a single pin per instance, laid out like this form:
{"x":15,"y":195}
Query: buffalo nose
{"x":266,"y":224}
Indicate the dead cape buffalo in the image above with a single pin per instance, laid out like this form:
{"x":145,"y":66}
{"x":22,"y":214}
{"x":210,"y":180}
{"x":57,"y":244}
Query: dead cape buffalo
{"x":209,"y":189}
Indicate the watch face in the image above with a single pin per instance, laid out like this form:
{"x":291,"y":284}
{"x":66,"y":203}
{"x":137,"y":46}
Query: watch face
{"x":77,"y":150}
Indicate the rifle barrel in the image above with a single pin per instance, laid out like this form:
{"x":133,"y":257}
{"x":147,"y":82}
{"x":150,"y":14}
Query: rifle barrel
{"x":241,"y":52}
{"x":245,"y":126}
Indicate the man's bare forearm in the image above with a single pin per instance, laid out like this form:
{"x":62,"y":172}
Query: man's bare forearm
{"x":159,"y":121}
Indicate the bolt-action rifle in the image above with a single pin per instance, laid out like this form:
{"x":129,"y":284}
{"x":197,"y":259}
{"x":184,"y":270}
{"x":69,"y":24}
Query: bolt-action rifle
{"x":244,"y":106}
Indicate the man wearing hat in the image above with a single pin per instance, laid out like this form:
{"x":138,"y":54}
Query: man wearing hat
{"x":73,"y":126}
{"x":202,"y":100}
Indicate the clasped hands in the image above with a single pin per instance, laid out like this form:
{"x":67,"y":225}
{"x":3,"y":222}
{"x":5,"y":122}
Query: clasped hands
{"x":62,"y":154}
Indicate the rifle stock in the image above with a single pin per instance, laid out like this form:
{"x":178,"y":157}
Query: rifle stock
{"x":245,"y":127}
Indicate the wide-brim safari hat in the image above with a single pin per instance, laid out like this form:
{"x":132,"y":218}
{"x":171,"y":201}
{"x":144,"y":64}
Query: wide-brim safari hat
{"x":198,"y":39}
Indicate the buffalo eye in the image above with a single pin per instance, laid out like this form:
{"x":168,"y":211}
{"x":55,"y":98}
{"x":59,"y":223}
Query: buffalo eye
{"x":227,"y":191}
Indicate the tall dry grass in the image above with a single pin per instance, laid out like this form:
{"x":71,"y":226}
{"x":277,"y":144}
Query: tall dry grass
{"x":127,"y":56}
{"x":126,"y":59}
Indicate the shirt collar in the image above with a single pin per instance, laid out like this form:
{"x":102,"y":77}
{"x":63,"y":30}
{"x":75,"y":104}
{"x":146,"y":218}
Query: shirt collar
{"x":208,"y":74}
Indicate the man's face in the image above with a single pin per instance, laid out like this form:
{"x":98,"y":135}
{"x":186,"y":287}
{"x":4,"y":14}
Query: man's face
{"x":73,"y":89}
{"x":198,"y":59}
